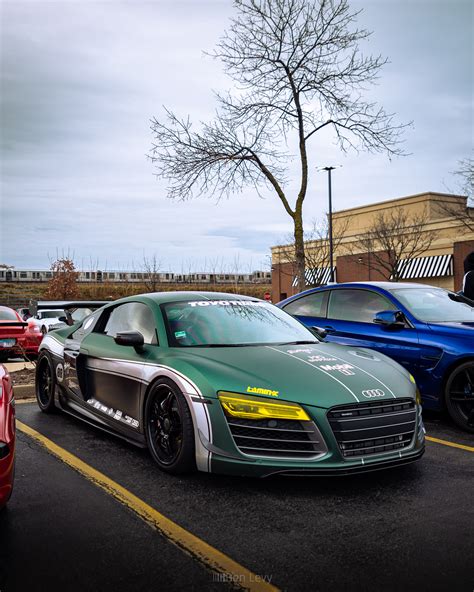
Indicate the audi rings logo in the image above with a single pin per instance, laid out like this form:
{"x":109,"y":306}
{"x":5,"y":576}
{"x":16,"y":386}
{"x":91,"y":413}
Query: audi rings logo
{"x":370,"y":394}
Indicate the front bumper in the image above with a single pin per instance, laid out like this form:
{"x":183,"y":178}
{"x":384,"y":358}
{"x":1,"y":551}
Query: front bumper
{"x":229,"y":466}
{"x":227,"y":458}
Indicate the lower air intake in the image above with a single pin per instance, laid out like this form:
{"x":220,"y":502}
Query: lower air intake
{"x":373,"y":428}
{"x":278,"y":438}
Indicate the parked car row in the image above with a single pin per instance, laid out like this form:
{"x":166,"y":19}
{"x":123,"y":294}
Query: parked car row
{"x":231,"y":384}
{"x":22,"y":330}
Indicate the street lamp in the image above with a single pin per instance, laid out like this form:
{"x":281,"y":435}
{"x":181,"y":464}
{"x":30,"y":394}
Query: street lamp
{"x":331,"y":249}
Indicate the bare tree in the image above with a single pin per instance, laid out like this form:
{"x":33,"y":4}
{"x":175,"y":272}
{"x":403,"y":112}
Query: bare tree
{"x":394,"y":236}
{"x":298,"y":69}
{"x":317,"y":253}
{"x":151,"y":267}
{"x":465,"y":177}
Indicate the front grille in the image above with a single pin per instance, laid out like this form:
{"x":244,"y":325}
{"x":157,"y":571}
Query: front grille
{"x":373,"y":428}
{"x":276,"y":437}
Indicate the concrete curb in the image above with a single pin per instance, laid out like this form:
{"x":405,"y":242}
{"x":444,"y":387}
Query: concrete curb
{"x":14,"y":366}
{"x":24,"y":391}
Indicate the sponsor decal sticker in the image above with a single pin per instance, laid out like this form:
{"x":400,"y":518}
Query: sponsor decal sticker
{"x":299,"y":351}
{"x":180,"y":334}
{"x":321,"y":359}
{"x":113,"y":413}
{"x":60,"y":372}
{"x":255,"y":390}
{"x":346,"y":369}
{"x":226,"y":303}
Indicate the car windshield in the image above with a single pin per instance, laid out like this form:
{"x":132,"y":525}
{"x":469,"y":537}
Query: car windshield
{"x":80,"y":313}
{"x":51,"y":314}
{"x":220,"y":323}
{"x":435,"y":305}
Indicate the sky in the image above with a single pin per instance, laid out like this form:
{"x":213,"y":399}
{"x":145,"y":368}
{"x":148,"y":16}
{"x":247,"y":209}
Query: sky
{"x":80,"y":81}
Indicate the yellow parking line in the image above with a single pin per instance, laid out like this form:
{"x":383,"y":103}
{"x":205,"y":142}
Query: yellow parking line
{"x":233,"y":572}
{"x":452,"y":444}
{"x":23,"y":401}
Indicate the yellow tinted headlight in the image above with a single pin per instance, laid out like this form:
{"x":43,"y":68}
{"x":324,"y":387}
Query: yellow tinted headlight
{"x":418,"y":396}
{"x":253,"y":408}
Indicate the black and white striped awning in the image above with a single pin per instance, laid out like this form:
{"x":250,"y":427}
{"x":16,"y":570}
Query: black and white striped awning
{"x":425,"y":267}
{"x":316,"y":276}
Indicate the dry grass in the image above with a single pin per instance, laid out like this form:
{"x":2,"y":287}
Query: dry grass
{"x":16,"y":294}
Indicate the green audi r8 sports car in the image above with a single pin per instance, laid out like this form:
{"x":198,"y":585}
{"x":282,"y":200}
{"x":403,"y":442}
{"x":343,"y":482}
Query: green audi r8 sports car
{"x":230,"y":384}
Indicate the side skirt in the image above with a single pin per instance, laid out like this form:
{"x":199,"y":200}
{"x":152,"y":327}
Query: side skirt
{"x":76,"y":411}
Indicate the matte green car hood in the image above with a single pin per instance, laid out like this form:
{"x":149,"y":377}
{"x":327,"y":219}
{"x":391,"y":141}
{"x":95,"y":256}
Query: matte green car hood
{"x":323,"y":374}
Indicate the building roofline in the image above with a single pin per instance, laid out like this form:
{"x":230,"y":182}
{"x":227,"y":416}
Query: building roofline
{"x":398,"y":199}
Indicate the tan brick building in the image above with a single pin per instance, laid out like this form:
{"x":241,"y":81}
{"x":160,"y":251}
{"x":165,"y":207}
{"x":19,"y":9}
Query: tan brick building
{"x":440,"y":265}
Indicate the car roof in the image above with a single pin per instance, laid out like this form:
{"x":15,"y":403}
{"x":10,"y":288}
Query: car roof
{"x":390,"y":286}
{"x":385,"y":285}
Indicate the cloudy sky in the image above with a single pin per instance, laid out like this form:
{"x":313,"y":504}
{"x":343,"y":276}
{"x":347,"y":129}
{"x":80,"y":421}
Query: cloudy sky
{"x":80,"y":81}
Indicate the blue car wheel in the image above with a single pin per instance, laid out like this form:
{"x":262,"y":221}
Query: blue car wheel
{"x":460,"y":396}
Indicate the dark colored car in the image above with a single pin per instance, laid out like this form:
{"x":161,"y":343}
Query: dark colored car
{"x":7,"y":437}
{"x":428,"y":330}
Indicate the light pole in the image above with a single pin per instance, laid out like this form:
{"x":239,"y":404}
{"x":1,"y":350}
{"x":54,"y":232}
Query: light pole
{"x":331,"y":249}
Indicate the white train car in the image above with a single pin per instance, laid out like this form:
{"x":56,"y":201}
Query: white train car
{"x":99,"y":276}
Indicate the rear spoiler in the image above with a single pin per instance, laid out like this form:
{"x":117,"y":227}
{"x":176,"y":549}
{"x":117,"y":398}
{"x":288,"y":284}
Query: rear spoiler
{"x":12,"y":324}
{"x":67,"y":305}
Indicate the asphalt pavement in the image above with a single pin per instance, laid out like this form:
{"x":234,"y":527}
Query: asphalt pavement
{"x":406,"y":528}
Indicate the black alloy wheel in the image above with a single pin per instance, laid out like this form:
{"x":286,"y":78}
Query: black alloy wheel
{"x":45,"y":383}
{"x":460,"y":396}
{"x":169,"y":428}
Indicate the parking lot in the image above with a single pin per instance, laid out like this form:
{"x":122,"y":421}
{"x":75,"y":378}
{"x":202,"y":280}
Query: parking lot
{"x":69,"y":527}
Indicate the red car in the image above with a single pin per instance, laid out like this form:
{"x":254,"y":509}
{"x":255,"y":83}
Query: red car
{"x":17,"y":337}
{"x":7,"y":436}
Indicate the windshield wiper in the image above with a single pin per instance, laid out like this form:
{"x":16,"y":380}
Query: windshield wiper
{"x":298,"y":342}
{"x":220,"y":345}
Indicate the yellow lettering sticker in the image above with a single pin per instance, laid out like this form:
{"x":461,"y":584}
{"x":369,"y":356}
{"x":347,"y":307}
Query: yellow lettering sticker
{"x":255,"y":390}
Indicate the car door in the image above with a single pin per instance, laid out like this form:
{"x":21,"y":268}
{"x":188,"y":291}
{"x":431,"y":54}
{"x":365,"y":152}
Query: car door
{"x":349,"y":320}
{"x":74,"y":375}
{"x":114,"y":373}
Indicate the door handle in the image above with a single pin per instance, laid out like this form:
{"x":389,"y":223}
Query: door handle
{"x":329,"y":329}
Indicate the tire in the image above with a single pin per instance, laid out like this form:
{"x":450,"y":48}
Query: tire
{"x":45,"y":383}
{"x":459,"y":396}
{"x":3,"y":357}
{"x":169,"y":428}
{"x":44,"y":330}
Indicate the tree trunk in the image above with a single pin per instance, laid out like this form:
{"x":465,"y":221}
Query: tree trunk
{"x":299,"y":250}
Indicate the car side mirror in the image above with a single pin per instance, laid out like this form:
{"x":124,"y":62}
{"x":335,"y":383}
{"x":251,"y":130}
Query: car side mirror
{"x":319,"y":332}
{"x":390,"y":318}
{"x":131,"y":338}
{"x":63,"y":319}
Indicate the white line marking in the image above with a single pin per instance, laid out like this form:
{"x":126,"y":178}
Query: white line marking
{"x":316,"y":368}
{"x":362,"y":370}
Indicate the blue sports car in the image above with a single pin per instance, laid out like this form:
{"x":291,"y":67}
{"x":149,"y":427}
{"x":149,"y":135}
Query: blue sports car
{"x":428,"y":330}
